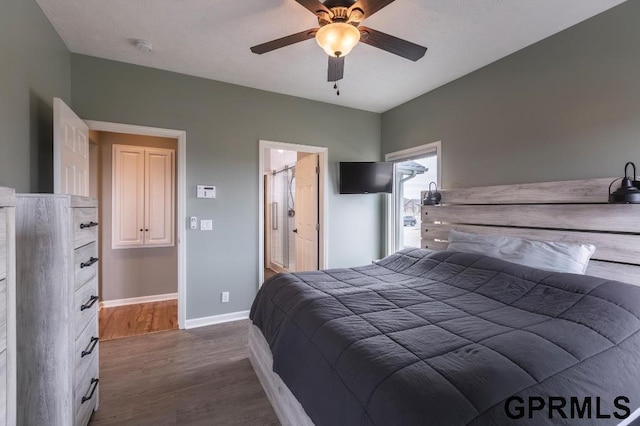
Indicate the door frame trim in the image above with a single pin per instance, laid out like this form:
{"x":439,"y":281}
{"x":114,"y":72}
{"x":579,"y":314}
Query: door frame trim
{"x":181,"y":198}
{"x":323,"y":199}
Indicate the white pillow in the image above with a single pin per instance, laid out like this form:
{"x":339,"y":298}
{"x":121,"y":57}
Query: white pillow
{"x":550,"y":256}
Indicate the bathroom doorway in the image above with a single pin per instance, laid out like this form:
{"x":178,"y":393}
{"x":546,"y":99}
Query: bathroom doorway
{"x":292,"y":208}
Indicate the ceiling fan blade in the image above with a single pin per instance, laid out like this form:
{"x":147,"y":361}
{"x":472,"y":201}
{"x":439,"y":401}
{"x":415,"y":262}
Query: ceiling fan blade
{"x":369,"y":7}
{"x":314,"y":6}
{"x":336,"y":68}
{"x":392,"y":44}
{"x":284,"y":41}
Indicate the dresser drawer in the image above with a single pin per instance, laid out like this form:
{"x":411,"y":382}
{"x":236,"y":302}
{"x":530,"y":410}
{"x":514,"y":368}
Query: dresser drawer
{"x":3,"y":389}
{"x":85,"y":226}
{"x":86,"y":394}
{"x":3,"y":243}
{"x":86,"y":348}
{"x":85,"y":305}
{"x":85,"y":263}
{"x":3,"y":315}
{"x":84,"y":415}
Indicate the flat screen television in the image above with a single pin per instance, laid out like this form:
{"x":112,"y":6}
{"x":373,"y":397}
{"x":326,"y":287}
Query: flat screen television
{"x":366,"y":178}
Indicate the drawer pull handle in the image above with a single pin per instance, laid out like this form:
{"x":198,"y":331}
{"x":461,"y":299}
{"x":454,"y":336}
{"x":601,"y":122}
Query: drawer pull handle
{"x":88,"y":263}
{"x":88,"y":225}
{"x":90,"y":303}
{"x":90,"y":348}
{"x":94,"y":383}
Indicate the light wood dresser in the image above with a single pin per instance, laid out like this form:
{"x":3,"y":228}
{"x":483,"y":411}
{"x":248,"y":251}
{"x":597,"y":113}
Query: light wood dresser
{"x":7,"y":308}
{"x":56,"y":259}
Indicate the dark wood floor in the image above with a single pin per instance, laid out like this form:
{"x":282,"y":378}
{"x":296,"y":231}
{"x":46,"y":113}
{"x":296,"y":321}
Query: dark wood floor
{"x":131,"y":320}
{"x":183,"y":377}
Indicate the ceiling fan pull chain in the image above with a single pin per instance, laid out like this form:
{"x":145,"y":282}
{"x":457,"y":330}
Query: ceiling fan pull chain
{"x":337,"y":88}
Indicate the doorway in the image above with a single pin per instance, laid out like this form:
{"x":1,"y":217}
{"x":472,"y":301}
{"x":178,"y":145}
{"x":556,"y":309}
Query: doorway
{"x":155,"y":151}
{"x":136,"y":189}
{"x":292,"y":202}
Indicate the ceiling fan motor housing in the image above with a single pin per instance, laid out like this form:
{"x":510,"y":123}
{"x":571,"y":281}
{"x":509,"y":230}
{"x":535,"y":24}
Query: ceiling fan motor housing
{"x":330,"y":4}
{"x":340,"y":14}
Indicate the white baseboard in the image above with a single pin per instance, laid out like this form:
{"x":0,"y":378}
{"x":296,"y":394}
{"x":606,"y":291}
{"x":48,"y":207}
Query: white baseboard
{"x":216,"y":319}
{"x":136,"y":300}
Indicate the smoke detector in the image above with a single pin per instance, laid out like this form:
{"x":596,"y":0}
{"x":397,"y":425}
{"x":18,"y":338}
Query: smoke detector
{"x":144,"y":46}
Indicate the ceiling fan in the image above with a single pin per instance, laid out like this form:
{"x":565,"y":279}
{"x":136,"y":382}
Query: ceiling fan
{"x":340,"y":31}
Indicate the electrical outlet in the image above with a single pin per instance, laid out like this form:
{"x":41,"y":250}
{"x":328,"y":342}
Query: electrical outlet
{"x":225,"y":297}
{"x":193,"y":223}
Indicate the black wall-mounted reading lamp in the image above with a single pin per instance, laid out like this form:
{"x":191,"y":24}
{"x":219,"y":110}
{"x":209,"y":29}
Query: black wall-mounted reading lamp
{"x":432,"y":197}
{"x":629,"y":191}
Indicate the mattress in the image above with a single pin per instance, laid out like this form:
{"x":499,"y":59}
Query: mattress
{"x":449,"y":338}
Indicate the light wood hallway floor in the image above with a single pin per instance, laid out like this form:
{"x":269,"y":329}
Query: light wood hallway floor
{"x":268,"y":273}
{"x":142,"y":318}
{"x":184,"y":377}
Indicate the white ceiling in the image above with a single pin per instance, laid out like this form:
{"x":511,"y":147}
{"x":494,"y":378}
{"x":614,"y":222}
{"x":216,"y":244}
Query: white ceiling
{"x":211,"y":39}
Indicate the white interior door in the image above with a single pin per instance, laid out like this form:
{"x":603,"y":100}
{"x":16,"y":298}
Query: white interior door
{"x":307,"y":213}
{"x":70,"y":151}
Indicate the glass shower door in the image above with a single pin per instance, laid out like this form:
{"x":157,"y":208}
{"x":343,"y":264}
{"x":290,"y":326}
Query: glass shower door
{"x":283,"y":218}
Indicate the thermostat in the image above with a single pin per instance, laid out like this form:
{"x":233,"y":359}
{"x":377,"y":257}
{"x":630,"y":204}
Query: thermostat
{"x":205,"y":191}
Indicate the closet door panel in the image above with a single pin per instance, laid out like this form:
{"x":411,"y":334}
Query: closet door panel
{"x":159,"y":196}
{"x":128,"y":196}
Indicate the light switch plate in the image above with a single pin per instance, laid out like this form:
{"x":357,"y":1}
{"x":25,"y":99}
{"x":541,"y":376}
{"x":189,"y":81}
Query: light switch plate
{"x":206,"y":225}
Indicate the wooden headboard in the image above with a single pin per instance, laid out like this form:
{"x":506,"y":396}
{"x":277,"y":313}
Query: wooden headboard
{"x":568,"y":211}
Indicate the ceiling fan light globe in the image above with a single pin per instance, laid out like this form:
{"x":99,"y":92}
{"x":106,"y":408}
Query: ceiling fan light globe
{"x":337,"y":39}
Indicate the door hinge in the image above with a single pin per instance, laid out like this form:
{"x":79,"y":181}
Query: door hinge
{"x":317,"y":170}
{"x":317,"y":226}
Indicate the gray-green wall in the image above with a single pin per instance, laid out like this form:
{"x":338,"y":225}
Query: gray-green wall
{"x":34,"y":68}
{"x":224,"y":123}
{"x":567,"y":107}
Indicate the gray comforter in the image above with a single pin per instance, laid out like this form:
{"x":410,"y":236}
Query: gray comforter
{"x":446,"y":338}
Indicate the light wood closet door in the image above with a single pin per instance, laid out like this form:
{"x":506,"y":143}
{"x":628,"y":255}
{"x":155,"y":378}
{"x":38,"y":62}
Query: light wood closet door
{"x":128,"y":196}
{"x":143,"y":197}
{"x":159,"y":204}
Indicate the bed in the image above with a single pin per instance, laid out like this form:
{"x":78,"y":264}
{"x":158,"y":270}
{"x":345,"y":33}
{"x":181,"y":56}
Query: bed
{"x":442,"y":337}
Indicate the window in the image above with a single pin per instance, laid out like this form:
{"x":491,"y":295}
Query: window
{"x":414,"y":169}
